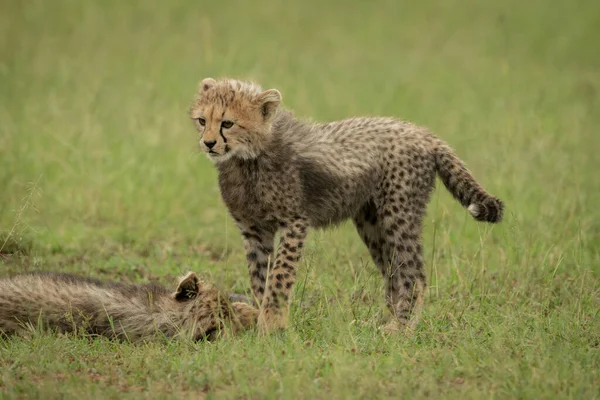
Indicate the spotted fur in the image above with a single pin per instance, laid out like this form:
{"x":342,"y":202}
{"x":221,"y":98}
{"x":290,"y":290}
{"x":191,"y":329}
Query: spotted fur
{"x":67,"y":303}
{"x":278,"y":173}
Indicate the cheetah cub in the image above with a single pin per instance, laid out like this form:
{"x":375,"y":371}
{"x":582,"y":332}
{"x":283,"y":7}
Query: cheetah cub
{"x":278,"y":173}
{"x":66,"y":303}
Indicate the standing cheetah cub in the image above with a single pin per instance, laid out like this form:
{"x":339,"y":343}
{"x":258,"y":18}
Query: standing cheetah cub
{"x":67,"y":303}
{"x":277,"y":173}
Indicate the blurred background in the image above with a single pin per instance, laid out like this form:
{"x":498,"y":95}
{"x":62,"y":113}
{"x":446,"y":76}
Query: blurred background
{"x":97,"y":155}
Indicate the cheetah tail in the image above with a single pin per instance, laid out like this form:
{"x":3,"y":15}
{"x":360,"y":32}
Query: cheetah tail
{"x":459,"y":181}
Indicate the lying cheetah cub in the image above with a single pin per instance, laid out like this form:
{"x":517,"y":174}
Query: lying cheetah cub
{"x":66,"y":303}
{"x":278,"y":173}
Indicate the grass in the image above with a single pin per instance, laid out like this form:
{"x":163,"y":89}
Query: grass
{"x":100,"y":175}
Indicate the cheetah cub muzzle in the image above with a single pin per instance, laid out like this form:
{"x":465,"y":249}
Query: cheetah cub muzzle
{"x":278,"y":173}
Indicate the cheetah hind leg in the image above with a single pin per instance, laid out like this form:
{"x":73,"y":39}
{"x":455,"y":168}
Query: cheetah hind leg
{"x":405,"y":286}
{"x":398,"y":256}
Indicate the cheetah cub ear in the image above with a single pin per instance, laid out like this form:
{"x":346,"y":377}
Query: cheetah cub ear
{"x":206,"y":84}
{"x":189,"y":287}
{"x":269,"y":101}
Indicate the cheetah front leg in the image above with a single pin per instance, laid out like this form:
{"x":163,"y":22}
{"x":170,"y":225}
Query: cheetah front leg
{"x":274,"y":309}
{"x":258,"y":243}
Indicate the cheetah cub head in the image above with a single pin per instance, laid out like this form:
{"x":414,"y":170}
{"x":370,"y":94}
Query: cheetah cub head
{"x":206,"y":313}
{"x":233,"y":118}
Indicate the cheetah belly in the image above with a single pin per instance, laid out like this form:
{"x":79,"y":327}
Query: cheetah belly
{"x":328,"y":199}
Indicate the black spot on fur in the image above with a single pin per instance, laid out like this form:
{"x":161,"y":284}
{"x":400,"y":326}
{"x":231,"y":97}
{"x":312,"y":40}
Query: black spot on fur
{"x":369,"y":212}
{"x":256,"y":273}
{"x":249,"y":235}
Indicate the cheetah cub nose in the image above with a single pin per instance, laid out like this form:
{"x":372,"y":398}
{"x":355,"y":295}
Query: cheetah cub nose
{"x":210,"y":144}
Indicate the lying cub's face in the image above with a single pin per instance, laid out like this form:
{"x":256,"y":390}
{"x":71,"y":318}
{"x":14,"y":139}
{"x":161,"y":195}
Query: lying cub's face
{"x":207,"y":312}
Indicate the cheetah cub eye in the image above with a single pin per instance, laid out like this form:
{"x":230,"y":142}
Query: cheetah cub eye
{"x":226,"y":124}
{"x":201,"y":121}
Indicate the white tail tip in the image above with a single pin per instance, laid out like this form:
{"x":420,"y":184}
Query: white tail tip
{"x":474,"y":209}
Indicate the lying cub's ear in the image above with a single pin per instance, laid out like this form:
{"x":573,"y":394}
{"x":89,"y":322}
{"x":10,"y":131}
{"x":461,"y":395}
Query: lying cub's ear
{"x":269,"y":101}
{"x":206,"y":84}
{"x":188,"y":288}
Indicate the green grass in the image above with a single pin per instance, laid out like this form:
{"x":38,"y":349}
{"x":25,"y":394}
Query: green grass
{"x":100,"y":175}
